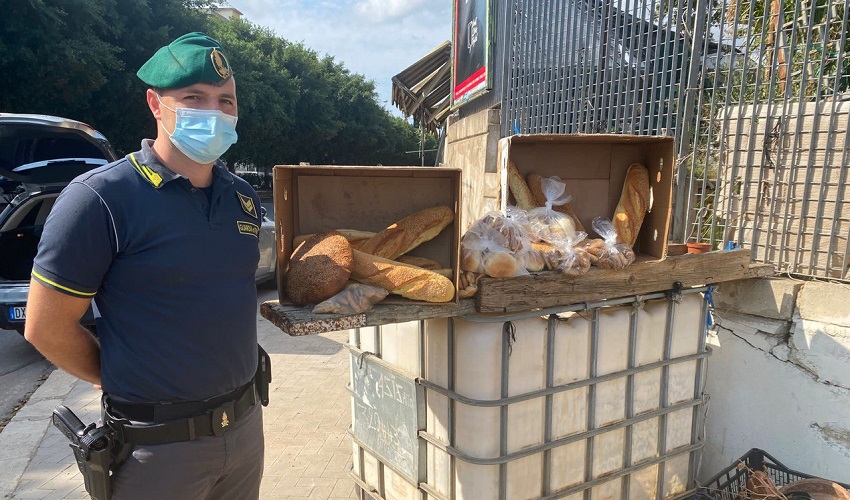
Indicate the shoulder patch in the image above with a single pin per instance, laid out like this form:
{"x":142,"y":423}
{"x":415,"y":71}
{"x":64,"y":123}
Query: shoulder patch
{"x":248,"y":205}
{"x":248,"y":228}
{"x":147,"y":174}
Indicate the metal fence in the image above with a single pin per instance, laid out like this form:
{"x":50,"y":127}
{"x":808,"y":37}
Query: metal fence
{"x":756,"y":93}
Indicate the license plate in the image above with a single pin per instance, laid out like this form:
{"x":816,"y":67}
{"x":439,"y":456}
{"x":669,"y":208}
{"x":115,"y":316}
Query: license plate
{"x":17,"y":313}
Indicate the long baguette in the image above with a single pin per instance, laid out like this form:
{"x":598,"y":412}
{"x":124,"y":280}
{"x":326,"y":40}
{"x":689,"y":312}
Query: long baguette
{"x":409,"y":233}
{"x":354,"y":236}
{"x":401,"y":279}
{"x":634,"y":203}
{"x":522,"y":195}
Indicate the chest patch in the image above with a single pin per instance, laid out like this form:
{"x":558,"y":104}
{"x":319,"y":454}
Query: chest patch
{"x":248,"y":228}
{"x":248,"y":205}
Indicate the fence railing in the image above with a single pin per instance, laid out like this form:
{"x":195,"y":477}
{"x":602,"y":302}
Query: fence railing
{"x":756,"y":93}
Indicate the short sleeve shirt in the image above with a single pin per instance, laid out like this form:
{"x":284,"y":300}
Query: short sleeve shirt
{"x":170,"y":270}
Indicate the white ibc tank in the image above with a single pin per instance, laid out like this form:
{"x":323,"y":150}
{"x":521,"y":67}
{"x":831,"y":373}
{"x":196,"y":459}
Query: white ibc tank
{"x":597,"y":400}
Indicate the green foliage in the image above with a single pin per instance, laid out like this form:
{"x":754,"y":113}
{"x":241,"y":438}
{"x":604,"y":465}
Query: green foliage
{"x":78,"y":58}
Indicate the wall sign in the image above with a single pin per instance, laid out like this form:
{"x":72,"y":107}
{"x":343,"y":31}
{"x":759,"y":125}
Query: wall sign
{"x":389,"y":412}
{"x":471,"y":50}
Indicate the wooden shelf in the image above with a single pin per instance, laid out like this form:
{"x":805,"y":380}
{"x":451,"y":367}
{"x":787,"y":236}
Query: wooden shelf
{"x":536,"y":291}
{"x":296,"y":320}
{"x":552,"y":289}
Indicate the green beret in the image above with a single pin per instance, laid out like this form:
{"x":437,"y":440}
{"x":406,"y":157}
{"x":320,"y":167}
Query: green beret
{"x":192,"y":58}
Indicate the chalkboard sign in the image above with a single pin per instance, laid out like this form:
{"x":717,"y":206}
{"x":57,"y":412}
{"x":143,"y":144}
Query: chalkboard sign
{"x":389,"y":412}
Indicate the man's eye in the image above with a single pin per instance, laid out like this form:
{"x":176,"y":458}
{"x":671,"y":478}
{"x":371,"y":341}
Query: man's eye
{"x":227,"y":101}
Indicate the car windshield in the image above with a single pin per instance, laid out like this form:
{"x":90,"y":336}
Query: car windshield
{"x":38,"y":164}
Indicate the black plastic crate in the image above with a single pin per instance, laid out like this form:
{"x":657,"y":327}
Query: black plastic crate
{"x":733,"y":479}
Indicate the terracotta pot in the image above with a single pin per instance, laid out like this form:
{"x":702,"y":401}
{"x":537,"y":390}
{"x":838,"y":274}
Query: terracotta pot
{"x":699,"y":247}
{"x":676,"y":249}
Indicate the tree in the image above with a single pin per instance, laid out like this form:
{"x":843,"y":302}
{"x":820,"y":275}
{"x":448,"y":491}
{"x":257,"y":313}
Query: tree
{"x":78,"y":59}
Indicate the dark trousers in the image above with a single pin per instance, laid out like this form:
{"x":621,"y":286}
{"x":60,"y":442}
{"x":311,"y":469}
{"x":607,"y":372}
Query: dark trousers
{"x":211,"y":467}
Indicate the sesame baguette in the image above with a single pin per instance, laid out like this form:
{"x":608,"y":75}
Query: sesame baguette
{"x":409,"y":233}
{"x":402,"y":279}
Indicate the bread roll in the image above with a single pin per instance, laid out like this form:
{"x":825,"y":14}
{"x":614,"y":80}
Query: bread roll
{"x":500,"y":265}
{"x":402,"y":279}
{"x":471,"y":260}
{"x":531,"y":260}
{"x":409,"y":233}
{"x":634,"y":203}
{"x":422,"y":262}
{"x":518,"y":187}
{"x":319,"y":269}
{"x":353,"y":236}
{"x":535,"y":184}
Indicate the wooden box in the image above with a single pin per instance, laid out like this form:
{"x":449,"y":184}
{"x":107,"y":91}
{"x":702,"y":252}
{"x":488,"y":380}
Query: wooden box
{"x":313,"y":199}
{"x":594,"y":169}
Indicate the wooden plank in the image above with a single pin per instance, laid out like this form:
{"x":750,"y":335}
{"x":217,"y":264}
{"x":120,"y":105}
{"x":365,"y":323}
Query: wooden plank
{"x":551,"y":289}
{"x":296,"y":321}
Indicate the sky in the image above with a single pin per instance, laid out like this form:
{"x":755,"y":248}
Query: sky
{"x":376,"y":38}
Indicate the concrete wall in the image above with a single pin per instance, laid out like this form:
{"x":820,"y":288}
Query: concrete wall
{"x":779,"y":378}
{"x":472,"y":144}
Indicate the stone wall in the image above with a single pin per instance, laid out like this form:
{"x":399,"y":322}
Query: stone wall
{"x":779,"y":377}
{"x":472,"y":144}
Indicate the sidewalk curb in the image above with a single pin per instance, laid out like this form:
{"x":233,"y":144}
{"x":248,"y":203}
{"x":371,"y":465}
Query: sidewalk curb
{"x":22,"y":436}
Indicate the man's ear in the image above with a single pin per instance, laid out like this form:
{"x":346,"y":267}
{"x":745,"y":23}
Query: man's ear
{"x":153,"y":104}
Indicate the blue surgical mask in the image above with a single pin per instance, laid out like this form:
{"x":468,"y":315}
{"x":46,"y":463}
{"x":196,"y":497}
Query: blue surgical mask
{"x":203,"y":135}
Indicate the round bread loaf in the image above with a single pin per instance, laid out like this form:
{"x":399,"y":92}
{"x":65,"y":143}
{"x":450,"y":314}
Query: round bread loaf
{"x":319,"y":268}
{"x":500,"y":265}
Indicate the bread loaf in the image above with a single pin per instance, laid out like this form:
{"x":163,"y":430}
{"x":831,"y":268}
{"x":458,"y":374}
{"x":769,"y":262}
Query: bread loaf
{"x":522,"y":195}
{"x":535,"y":184}
{"x":353,"y":236}
{"x":816,"y":489}
{"x":319,"y":268}
{"x":500,"y":265}
{"x":402,"y":279}
{"x":471,"y":259}
{"x":409,"y":233}
{"x":422,"y":262}
{"x":468,"y":282}
{"x":634,"y":203}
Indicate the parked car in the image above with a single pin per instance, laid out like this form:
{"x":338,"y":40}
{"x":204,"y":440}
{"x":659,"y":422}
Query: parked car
{"x":39,"y":156}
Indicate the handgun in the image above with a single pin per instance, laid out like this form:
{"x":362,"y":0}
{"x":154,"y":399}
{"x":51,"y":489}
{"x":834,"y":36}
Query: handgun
{"x":91,"y":445}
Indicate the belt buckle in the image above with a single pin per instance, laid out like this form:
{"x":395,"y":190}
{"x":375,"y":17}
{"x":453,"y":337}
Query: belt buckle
{"x":223,"y":418}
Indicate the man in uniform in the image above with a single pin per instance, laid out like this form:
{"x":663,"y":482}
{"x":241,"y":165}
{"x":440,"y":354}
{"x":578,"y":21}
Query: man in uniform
{"x":166,"y":243}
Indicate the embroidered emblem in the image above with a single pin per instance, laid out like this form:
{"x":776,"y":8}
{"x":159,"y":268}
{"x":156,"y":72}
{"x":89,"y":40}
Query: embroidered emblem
{"x":248,"y":228}
{"x":248,"y":205}
{"x":145,"y":171}
{"x":224,"y":421}
{"x":220,"y":64}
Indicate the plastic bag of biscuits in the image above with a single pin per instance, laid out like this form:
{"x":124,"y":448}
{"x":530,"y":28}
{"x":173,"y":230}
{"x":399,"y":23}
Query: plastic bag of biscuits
{"x":513,"y":225}
{"x":566,"y":256}
{"x":606,"y":252}
{"x":546,"y":223}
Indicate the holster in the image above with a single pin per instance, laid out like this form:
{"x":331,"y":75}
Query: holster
{"x":263,"y":377}
{"x":96,"y":450}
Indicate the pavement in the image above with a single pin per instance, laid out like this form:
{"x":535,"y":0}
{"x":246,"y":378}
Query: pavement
{"x":307,"y":447}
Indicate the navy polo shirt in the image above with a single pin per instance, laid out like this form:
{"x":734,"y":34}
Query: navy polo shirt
{"x":171,"y":272}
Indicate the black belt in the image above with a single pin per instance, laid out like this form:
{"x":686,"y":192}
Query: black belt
{"x":216,"y":417}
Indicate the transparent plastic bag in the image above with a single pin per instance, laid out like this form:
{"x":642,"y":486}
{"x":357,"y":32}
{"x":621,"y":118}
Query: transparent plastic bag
{"x":546,"y":223}
{"x":485,"y":249}
{"x":355,"y":298}
{"x":606,"y":252}
{"x":567,"y":256}
{"x":513,"y":225}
